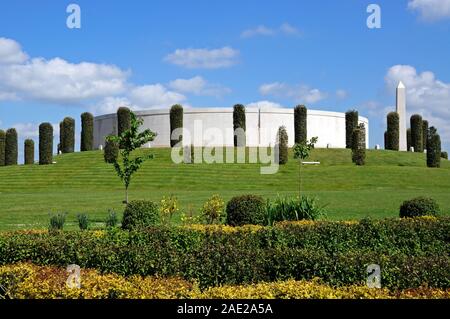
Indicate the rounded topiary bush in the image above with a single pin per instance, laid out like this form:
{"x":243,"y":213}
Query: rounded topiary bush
{"x":111,"y":151}
{"x":246,"y":209}
{"x":420,"y":206}
{"x":416,"y":133}
{"x":393,"y":131}
{"x":351,"y":123}
{"x":140,"y":214}
{"x":68,"y":126}
{"x":282,"y":145}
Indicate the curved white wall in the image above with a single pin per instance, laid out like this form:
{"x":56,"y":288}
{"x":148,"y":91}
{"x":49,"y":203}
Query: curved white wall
{"x":214,"y":126}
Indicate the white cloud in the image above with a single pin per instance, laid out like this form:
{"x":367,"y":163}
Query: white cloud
{"x":59,"y":81}
{"x":11,"y":52}
{"x":31,"y":130}
{"x":299,"y":93}
{"x":341,"y":94}
{"x":264,"y":105}
{"x":431,"y":10}
{"x":198,"y":86}
{"x":262,"y":30}
{"x":259,"y":30}
{"x":110,"y":105}
{"x":154,"y":96}
{"x":425,"y":95}
{"x":203,"y":58}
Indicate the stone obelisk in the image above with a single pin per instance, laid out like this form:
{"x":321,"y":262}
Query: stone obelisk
{"x":401,"y":110}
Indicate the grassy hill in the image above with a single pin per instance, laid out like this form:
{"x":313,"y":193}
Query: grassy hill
{"x":82,"y":182}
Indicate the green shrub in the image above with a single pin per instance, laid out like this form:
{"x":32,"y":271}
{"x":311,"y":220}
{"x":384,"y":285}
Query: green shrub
{"x":11,"y":147}
{"x":444,"y":155}
{"x":83,"y":221}
{"x":45,"y":144}
{"x":57,"y":222}
{"x":351,"y":123}
{"x":239,"y":123}
{"x":293,"y":209}
{"x":111,"y":220}
{"x":408,"y":139}
{"x":87,"y":132}
{"x":213,"y":210}
{"x":300,"y":124}
{"x":393,"y":129}
{"x":123,"y":120}
{"x":139,"y":214}
{"x":28,"y":152}
{"x":68,"y":133}
{"x":359,"y":145}
{"x":246,"y":209}
{"x":433,"y":148}
{"x":416,"y":133}
{"x":61,"y":137}
{"x":111,"y":151}
{"x":176,"y":121}
{"x":424,"y":134}
{"x":420,"y":206}
{"x":386,"y":140}
{"x":2,"y":147}
{"x":282,"y":146}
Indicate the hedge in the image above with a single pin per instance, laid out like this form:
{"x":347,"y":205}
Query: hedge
{"x":424,"y":134}
{"x":393,"y":129}
{"x":246,"y":209}
{"x":281,"y":146}
{"x":28,"y":152}
{"x":176,"y":121}
{"x":123,"y":120}
{"x":45,"y":144}
{"x":239,"y":123}
{"x":11,"y":152}
{"x":139,"y":214}
{"x":2,"y":147}
{"x":68,"y":133}
{"x":433,"y":148}
{"x":416,"y":133}
{"x":351,"y":123}
{"x":300,"y":124}
{"x":28,"y":281}
{"x":87,"y":132}
{"x":411,"y":252}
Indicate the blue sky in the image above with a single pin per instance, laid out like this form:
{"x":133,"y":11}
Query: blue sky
{"x":152,"y":54}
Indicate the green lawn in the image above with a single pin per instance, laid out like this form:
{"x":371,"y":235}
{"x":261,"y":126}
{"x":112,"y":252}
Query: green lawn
{"x":82,"y":182}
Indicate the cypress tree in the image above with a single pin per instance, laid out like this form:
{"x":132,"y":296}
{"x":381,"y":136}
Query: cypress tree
{"x":111,"y":151}
{"x":68,"y":135}
{"x":386,"y":140}
{"x":123,"y":120}
{"x":351,"y":122}
{"x":393,"y":129}
{"x":29,"y":152}
{"x":61,"y":137}
{"x":239,"y":123}
{"x":433,"y":148}
{"x":424,"y":134}
{"x":176,"y":121}
{"x":282,"y":145}
{"x":408,"y":139}
{"x":2,"y":147}
{"x":300,"y":124}
{"x":416,"y":133}
{"x":359,"y":145}
{"x":87,"y":132}
{"x":45,"y":144}
{"x":11,"y":152}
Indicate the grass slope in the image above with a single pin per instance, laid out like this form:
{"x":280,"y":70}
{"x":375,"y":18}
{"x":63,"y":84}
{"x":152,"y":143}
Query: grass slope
{"x":82,"y":182}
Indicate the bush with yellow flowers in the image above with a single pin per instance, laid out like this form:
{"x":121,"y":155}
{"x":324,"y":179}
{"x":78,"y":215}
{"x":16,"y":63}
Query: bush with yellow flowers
{"x":213,"y":210}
